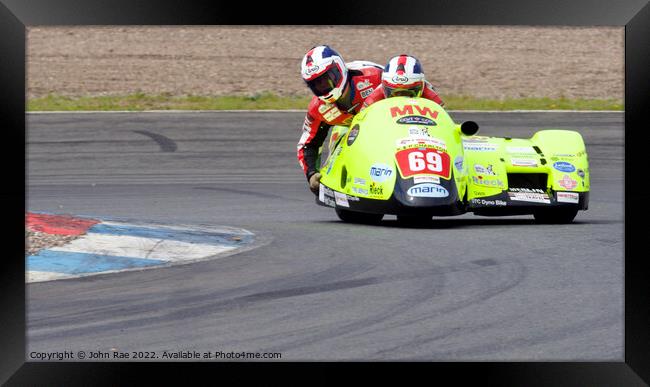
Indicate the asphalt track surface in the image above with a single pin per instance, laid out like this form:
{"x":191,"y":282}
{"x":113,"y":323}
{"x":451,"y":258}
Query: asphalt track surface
{"x":463,"y":288}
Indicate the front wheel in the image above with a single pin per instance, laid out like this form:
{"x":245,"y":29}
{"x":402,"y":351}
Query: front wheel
{"x":555,"y":215}
{"x":358,"y":217}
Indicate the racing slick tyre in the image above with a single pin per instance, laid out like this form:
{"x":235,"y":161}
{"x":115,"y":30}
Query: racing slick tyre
{"x":556,"y":215}
{"x":358,"y":217}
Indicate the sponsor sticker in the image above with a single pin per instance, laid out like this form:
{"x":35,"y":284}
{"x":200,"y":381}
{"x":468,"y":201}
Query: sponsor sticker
{"x":479,"y":180}
{"x":380,"y":172}
{"x":476,"y":139}
{"x":367,"y":92}
{"x":484,"y":202}
{"x":376,"y":189}
{"x":426,"y":161}
{"x":420,"y":142}
{"x":416,"y":120}
{"x":567,"y":182}
{"x":360,"y":191}
{"x":568,"y":197}
{"x":529,"y":197}
{"x":480,"y":169}
{"x":419,"y":132}
{"x":352,"y":135}
{"x":363,"y":85}
{"x":527,"y":190}
{"x":523,"y":162}
{"x":341,"y":199}
{"x":564,"y":166}
{"x":521,"y":149}
{"x":325,"y":195}
{"x":428,"y":190}
{"x":426,"y":179}
{"x":458,"y":162}
{"x":359,"y":181}
{"x":479,"y":147}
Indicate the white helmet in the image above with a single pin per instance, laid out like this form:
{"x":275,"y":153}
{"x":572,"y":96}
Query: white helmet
{"x":325,"y":73}
{"x":403,"y":76}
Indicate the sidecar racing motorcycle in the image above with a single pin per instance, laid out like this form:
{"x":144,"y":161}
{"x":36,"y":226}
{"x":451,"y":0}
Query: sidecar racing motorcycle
{"x":407,"y":157}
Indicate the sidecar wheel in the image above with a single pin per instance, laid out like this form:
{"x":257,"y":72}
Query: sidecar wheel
{"x":358,"y":217}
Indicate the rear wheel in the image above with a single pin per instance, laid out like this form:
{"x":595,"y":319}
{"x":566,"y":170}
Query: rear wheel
{"x":556,"y":215}
{"x":358,"y":217}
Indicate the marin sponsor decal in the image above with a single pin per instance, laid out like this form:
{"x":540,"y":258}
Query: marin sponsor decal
{"x":376,"y":189}
{"x":483,"y":202}
{"x":352,"y":135}
{"x":428,"y":190}
{"x":380,"y":172}
{"x":487,"y":182}
{"x":480,"y":169}
{"x":567,"y":182}
{"x":523,"y":162}
{"x":529,"y":197}
{"x":564,"y":166}
{"x":479,"y":147}
{"x":341,"y":199}
{"x":416,"y":120}
{"x":568,"y":197}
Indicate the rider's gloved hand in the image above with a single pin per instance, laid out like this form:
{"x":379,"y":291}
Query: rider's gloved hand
{"x":314,"y":182}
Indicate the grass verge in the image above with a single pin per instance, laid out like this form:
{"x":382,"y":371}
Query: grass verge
{"x":139,"y":102}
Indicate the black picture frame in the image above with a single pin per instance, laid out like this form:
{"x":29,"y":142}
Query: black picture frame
{"x":15,"y":15}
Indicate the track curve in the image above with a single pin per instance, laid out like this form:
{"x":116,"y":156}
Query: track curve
{"x":465,"y":288}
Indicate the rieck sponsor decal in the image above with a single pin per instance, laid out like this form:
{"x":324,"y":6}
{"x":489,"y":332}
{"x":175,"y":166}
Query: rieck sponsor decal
{"x":568,"y":197}
{"x":479,"y":147}
{"x":523,"y":162}
{"x":426,"y":179}
{"x":376,"y":189}
{"x":380,"y":172}
{"x":480,"y":169}
{"x":529,"y":197}
{"x":428,"y":190}
{"x":567,"y":182}
{"x":416,"y":120}
{"x":484,"y":202}
{"x":520,"y":149}
{"x":341,"y":199}
{"x":488,"y":183}
{"x":564,"y":166}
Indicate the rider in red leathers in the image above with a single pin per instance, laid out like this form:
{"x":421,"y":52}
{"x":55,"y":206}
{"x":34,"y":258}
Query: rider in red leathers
{"x":339,"y":92}
{"x":403,"y":76}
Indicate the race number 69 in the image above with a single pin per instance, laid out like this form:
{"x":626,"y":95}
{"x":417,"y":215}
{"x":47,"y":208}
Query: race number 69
{"x":423,"y":161}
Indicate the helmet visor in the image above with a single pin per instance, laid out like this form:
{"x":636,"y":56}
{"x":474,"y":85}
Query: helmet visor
{"x":411,"y":91}
{"x":326,"y":82}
